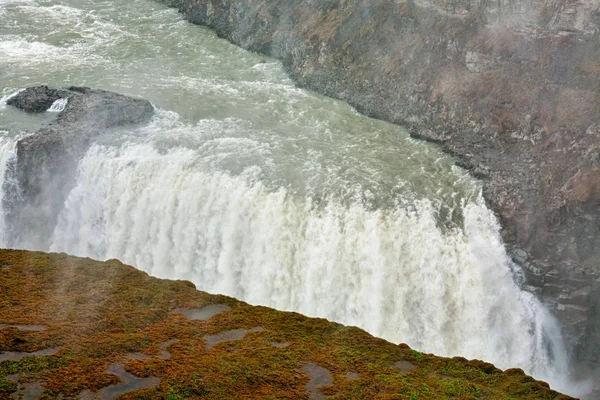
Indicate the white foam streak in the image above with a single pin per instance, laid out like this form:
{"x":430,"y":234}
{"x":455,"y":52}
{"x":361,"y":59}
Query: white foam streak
{"x":4,"y":99}
{"x":60,"y":14}
{"x":7,"y":151}
{"x":4,"y":3}
{"x":393,"y":272}
{"x":58,"y":106}
{"x":24,"y":52}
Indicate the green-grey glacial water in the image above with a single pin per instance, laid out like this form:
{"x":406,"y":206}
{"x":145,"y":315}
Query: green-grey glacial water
{"x":251,"y":187}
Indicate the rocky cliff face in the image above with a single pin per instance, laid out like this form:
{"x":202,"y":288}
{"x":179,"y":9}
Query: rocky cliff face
{"x":512,"y":88}
{"x":46,"y":162}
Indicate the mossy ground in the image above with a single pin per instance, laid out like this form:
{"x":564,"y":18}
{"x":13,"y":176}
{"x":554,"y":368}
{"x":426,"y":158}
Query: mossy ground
{"x":99,"y":312}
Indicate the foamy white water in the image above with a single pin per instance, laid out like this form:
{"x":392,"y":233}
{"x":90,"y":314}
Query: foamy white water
{"x":7,"y":97}
{"x":7,"y":152}
{"x":254,"y":188}
{"x":393,"y":272}
{"x":58,"y":106}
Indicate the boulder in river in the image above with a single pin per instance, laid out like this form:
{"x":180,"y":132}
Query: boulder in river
{"x":37,"y":99}
{"x":44,"y":170}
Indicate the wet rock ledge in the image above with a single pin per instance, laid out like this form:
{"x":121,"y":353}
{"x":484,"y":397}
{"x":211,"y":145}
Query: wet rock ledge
{"x":74,"y":328}
{"x":43,"y":171}
{"x":511,"y":88}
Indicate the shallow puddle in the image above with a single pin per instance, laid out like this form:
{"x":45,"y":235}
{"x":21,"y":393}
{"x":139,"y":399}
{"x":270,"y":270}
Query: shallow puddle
{"x":404,"y":366}
{"x":27,"y":390}
{"x":19,"y":355}
{"x":352,"y":375}
{"x":226,"y":336}
{"x":319,"y":376}
{"x":164,"y":355}
{"x":129,"y":383}
{"x":203,"y":313}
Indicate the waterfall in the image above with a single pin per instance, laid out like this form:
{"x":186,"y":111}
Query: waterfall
{"x":7,"y":153}
{"x":257,"y":189}
{"x":392,"y":271}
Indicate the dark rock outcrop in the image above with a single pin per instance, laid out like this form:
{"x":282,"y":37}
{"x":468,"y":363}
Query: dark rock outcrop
{"x":512,"y":89}
{"x":37,"y":99}
{"x":44,"y":169}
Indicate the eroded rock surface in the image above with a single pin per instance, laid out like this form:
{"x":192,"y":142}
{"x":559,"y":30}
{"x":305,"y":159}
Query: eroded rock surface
{"x":46,"y":163}
{"x":510,"y":88}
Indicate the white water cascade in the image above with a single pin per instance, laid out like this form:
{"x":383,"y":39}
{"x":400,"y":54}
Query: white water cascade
{"x":6,"y":153}
{"x":393,"y":272}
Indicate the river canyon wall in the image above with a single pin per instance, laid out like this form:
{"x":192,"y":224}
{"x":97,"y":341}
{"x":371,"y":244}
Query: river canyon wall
{"x":511,"y":89}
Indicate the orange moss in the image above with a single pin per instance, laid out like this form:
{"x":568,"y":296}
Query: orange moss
{"x":98,"y":313}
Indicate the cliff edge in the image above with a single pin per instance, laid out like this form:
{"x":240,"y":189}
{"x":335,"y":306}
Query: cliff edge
{"x":77,"y":328}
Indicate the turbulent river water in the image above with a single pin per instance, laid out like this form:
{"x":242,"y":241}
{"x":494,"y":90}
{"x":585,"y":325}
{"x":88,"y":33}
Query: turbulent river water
{"x":251,"y":187}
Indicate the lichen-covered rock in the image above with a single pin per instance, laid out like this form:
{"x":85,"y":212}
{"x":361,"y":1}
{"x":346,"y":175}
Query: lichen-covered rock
{"x":43,"y":172}
{"x":115,"y":331}
{"x":511,"y":88}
